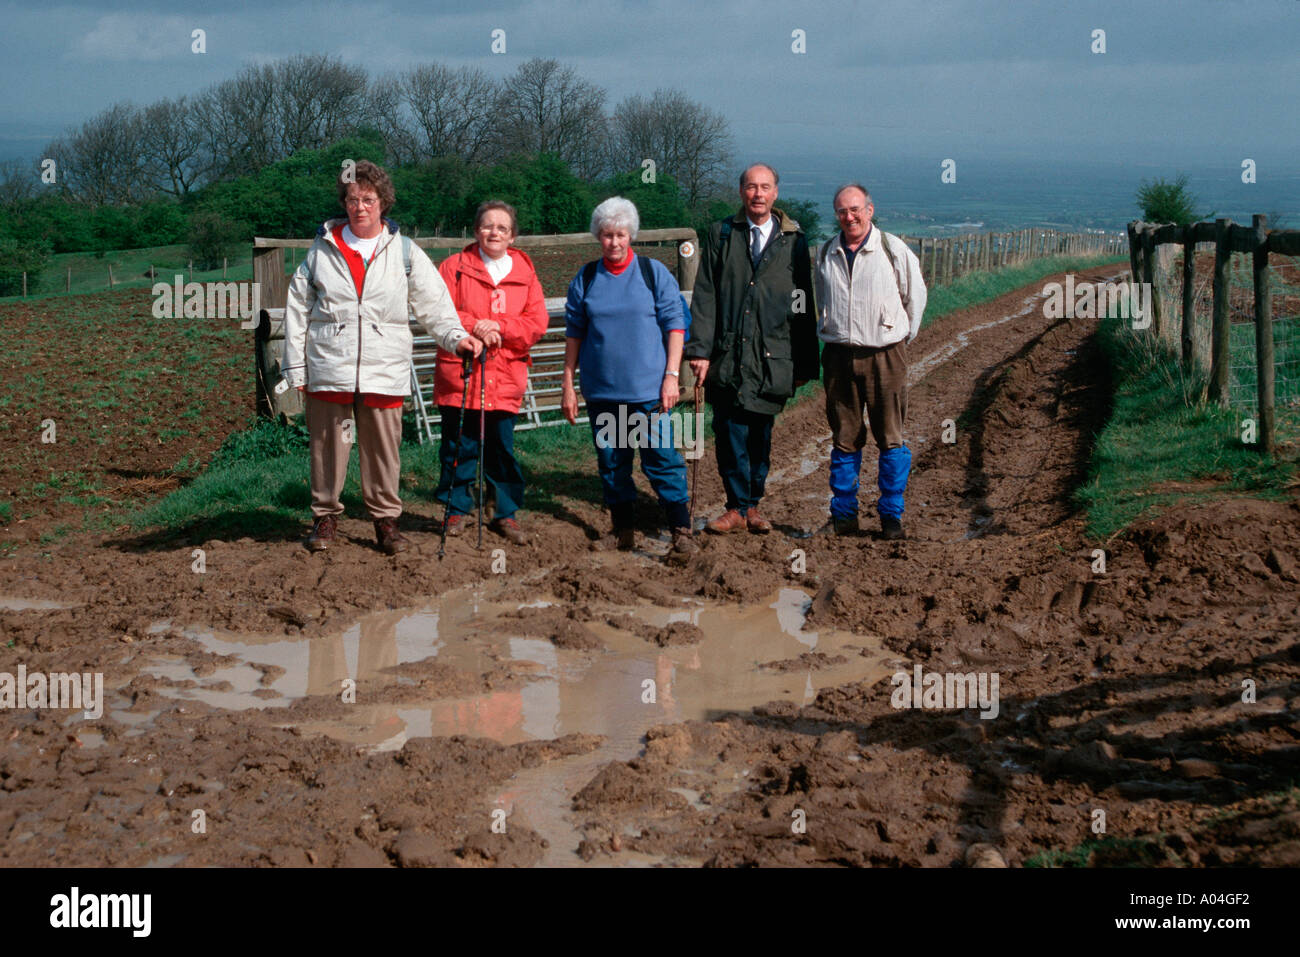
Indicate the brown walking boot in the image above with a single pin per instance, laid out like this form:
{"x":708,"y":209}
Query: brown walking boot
{"x":509,"y":529}
{"x":322,"y":533}
{"x":728,"y":521}
{"x":391,"y":541}
{"x":757,"y":523}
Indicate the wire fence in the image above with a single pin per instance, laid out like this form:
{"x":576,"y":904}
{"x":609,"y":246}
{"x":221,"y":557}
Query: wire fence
{"x":1226,"y":297}
{"x":1243,"y":379}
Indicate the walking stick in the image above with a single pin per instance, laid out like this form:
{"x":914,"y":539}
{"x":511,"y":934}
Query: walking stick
{"x":482,"y":434}
{"x":695,"y":462}
{"x":466,"y":368}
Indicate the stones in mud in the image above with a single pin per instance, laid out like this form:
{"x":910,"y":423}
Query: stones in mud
{"x":1196,"y":768}
{"x":984,"y":855}
{"x":413,"y":849}
{"x":678,"y":633}
{"x":1254,"y":564}
{"x":1282,"y":564}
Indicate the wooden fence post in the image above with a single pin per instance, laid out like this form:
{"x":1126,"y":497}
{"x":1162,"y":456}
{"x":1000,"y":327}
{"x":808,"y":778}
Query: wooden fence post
{"x":1149,"y":277}
{"x":1133,"y":251}
{"x":1263,"y":335}
{"x":24,"y":283}
{"x":1220,"y":331}
{"x":110,"y":275}
{"x":1189,"y":296}
{"x":69,"y":289}
{"x":224,"y":264}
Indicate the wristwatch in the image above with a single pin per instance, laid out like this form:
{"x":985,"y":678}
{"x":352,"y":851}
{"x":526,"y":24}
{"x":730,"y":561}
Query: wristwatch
{"x":670,"y":373}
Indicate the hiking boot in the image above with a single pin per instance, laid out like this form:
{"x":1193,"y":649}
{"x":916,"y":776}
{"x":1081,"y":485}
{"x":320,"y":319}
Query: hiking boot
{"x":626,"y":538}
{"x":891,"y":529}
{"x":454,"y":525}
{"x":757,"y":523}
{"x":509,"y":529}
{"x":322,"y":533}
{"x":683,"y":541}
{"x":846,"y":525}
{"x":728,"y":521}
{"x":391,"y":541}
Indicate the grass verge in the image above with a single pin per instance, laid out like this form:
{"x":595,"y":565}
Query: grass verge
{"x":1162,"y":446}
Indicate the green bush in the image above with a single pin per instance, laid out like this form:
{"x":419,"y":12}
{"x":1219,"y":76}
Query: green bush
{"x":19,"y":257}
{"x":212,"y":237}
{"x":1165,"y":202}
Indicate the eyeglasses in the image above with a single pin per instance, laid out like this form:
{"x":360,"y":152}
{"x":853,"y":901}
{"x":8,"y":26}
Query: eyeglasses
{"x":369,"y":203}
{"x":844,"y":211}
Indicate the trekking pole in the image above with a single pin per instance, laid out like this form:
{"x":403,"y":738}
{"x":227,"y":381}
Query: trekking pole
{"x":695,"y":462}
{"x":482,"y":434}
{"x":465,"y":370}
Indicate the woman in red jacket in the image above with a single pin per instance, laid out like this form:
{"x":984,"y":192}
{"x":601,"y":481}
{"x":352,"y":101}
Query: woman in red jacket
{"x":500,"y":301}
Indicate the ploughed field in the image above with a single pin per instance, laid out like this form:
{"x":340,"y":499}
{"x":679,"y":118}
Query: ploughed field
{"x":580,"y":706}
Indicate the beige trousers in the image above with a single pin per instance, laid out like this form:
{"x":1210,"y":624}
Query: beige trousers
{"x":377,"y":434}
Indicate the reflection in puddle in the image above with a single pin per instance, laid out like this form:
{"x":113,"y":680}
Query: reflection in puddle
{"x":618,"y":693}
{"x":12,"y":603}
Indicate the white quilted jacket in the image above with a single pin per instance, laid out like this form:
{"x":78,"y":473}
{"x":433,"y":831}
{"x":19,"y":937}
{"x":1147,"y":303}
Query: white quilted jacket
{"x":335,"y":342}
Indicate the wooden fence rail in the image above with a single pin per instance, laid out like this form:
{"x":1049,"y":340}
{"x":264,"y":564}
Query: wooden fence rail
{"x":1145,"y":239}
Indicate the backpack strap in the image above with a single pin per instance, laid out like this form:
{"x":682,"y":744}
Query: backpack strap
{"x":648,"y":276}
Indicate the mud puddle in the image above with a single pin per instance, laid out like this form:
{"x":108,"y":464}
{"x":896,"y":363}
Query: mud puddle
{"x":12,"y":603}
{"x":744,"y":657}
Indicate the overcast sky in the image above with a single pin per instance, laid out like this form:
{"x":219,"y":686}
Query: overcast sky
{"x":1184,"y":83}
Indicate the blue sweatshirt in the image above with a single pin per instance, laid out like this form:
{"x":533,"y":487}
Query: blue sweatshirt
{"x":623,"y":329}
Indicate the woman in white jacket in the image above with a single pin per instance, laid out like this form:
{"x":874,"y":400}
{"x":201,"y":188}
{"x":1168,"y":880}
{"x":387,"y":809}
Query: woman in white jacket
{"x":347,"y":344}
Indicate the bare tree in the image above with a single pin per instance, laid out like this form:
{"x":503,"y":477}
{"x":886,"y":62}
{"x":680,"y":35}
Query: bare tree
{"x":686,"y":140}
{"x":317,"y":100}
{"x":18,"y":180}
{"x":546,"y":107}
{"x":101,"y":162}
{"x":386,"y":112}
{"x":451,"y":111}
{"x":172,"y":146}
{"x":237,"y":123}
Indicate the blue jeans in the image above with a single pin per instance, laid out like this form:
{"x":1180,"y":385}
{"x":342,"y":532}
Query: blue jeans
{"x":661,"y":461}
{"x":501,"y":472}
{"x":744,"y":451}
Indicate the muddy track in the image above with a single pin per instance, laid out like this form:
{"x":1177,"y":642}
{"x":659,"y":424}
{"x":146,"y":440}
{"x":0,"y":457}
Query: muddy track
{"x":1119,"y":691}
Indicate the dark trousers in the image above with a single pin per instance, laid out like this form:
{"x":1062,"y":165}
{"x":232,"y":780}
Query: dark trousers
{"x":501,"y":476}
{"x":661,"y":461}
{"x":744,"y":449}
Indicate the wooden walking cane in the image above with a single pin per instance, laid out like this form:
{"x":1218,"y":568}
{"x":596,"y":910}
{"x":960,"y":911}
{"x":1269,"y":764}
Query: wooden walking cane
{"x":695,"y":462}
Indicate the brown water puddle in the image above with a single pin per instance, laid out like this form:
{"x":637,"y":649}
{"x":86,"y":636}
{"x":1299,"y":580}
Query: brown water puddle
{"x":602,"y":692}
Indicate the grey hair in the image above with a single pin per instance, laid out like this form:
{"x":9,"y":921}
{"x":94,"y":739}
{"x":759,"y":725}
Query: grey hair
{"x":776,"y":177}
{"x":865,"y":192}
{"x":615,"y":213}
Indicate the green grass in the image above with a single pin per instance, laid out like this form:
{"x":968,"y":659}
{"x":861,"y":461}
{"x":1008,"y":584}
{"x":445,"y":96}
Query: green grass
{"x":975,"y":288}
{"x":130,"y":270}
{"x":1163,"y":446}
{"x":1111,"y":852}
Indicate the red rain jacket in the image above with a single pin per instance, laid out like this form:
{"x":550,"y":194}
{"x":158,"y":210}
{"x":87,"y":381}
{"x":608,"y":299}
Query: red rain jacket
{"x":518,"y":305}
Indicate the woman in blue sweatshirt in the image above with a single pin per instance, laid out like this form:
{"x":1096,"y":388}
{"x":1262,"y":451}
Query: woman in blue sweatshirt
{"x":624,"y":328}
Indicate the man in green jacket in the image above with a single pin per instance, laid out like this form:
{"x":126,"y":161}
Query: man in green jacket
{"x":753,"y":337}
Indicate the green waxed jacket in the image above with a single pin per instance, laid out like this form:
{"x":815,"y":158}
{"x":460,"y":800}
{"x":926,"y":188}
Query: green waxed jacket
{"x":758,"y":335}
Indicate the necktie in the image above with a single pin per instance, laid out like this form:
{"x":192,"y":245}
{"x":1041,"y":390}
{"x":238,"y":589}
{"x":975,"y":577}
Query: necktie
{"x":756,"y":245}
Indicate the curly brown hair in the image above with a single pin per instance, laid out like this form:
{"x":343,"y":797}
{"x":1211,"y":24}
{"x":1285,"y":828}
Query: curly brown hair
{"x":366,"y":173}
